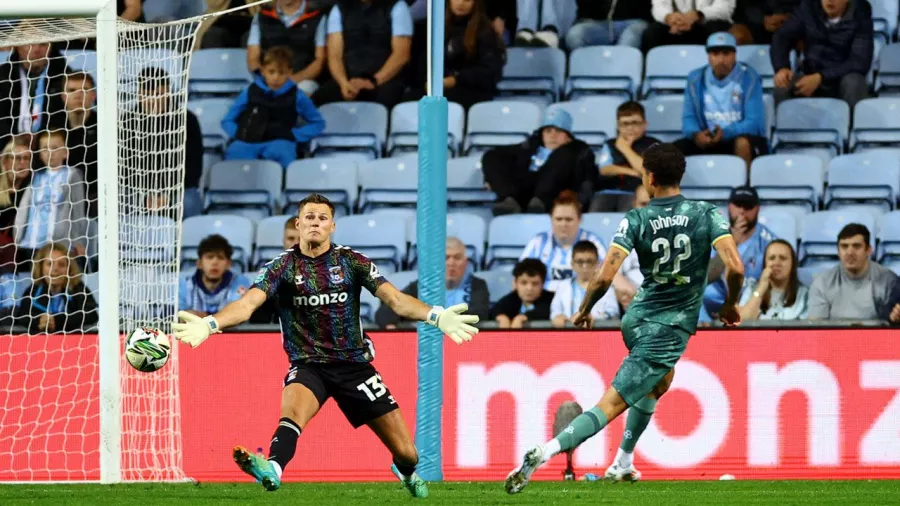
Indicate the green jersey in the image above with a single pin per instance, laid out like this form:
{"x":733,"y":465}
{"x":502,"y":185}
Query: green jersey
{"x":674,"y":238}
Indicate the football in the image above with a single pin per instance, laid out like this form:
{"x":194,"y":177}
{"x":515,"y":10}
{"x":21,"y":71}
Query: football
{"x":147,"y":349}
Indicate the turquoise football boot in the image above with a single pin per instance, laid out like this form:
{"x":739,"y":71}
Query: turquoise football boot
{"x":416,"y":486}
{"x":257,"y":467}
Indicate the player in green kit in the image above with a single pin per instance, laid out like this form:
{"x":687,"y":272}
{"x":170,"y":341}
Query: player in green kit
{"x":674,"y":238}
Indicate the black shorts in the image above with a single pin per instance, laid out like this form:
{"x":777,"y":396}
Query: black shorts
{"x":356,"y":387}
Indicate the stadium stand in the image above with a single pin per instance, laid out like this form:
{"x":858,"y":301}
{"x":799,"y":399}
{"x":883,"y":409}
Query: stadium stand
{"x":249,"y":188}
{"x":335,"y":178}
{"x":612,"y":70}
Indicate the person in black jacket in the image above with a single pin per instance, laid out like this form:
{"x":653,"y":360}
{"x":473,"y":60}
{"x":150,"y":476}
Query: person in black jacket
{"x":530,"y":175}
{"x":608,"y":22}
{"x":756,"y":21}
{"x":839,"y":43}
{"x":57,"y":300}
{"x":528,"y":301}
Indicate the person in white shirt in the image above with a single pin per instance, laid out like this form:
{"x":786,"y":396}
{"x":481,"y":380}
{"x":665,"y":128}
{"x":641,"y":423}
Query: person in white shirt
{"x":778,"y":295}
{"x":570,"y":293}
{"x":631,"y":268}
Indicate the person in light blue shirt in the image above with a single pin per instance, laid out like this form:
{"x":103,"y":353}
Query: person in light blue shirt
{"x":213,"y":285}
{"x":723,"y":106}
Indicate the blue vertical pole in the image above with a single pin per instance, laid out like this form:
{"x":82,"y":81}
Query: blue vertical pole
{"x":431,"y":232}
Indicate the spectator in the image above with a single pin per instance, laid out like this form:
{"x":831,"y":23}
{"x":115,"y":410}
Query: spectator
{"x":631,"y":267}
{"x":778,"y":295}
{"x":756,"y":21}
{"x":369,"y":43}
{"x":608,"y":22}
{"x":56,"y":300}
{"x":264,"y":119}
{"x":39,"y":69}
{"x":291,"y":234}
{"x":892,"y":310}
{"x":531,"y":174}
{"x":226,"y":30}
{"x":723,"y":106}
{"x":751,"y":237}
{"x":857,"y":288}
{"x":52,"y":208}
{"x":528,"y":301}
{"x":173,"y":10}
{"x":79,"y":119}
{"x":473,"y":56}
{"x":502,"y":14}
{"x":570,"y":293}
{"x":686,"y":21}
{"x":267,"y":313}
{"x":152,"y":144}
{"x":551,"y":13}
{"x":620,"y":160}
{"x":461,"y":286}
{"x":213,"y":285}
{"x":15,"y":175}
{"x":298,"y":25}
{"x":839,"y":43}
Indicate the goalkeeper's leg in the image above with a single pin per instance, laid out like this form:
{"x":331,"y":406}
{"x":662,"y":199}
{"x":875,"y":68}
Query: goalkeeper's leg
{"x":391,"y":430}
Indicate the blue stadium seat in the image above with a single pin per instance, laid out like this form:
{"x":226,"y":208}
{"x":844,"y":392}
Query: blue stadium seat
{"x":712,"y":177}
{"x":605,"y":70}
{"x":757,"y":57}
{"x":388,"y":182}
{"x":402,"y":278}
{"x":818,"y":236}
{"x":469,"y":228}
{"x":368,"y":305}
{"x":667,"y":68}
{"x":769,"y":104}
{"x":508,"y":236}
{"x":782,"y":223}
{"x":533,"y":71}
{"x":664,"y":116}
{"x":147,"y":238}
{"x":876,"y":123}
{"x":795,"y":180}
{"x":269,"y":239}
{"x":499,"y":281}
{"x":404,"y":135}
{"x":465,"y":183}
{"x":593,"y":118}
{"x":812,"y":123}
{"x":334,"y":178}
{"x":870,"y":179}
{"x":92,"y":283}
{"x":381,"y":238}
{"x":218,"y":72}
{"x":239,"y":185}
{"x":889,"y":238}
{"x":807,"y":275}
{"x":352,"y":126}
{"x":887,"y":82}
{"x":884,"y":19}
{"x":147,"y":293}
{"x":602,"y":224}
{"x":133,"y":61}
{"x":4,"y":55}
{"x":238,"y":230}
{"x":209,"y":112}
{"x":12,"y":288}
{"x":84,"y":60}
{"x":499,"y":123}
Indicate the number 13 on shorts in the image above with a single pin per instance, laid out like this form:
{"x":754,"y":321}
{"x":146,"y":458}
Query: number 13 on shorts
{"x":373,"y":388}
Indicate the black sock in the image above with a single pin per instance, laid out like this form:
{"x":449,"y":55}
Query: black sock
{"x":284,"y":442}
{"x":406,"y":469}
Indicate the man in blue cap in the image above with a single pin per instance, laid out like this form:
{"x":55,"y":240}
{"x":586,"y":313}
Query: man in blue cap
{"x":531,"y":174}
{"x":723,"y":106}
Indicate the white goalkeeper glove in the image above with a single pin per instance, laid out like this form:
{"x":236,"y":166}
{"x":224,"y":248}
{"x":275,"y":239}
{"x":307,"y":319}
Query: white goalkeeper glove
{"x":194,"y":330}
{"x":453,"y":322}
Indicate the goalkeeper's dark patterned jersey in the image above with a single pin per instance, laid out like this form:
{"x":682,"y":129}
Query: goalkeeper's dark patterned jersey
{"x":317,"y":302}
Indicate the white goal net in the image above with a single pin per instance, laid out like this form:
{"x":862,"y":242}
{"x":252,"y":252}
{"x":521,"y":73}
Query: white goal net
{"x":50,"y":396}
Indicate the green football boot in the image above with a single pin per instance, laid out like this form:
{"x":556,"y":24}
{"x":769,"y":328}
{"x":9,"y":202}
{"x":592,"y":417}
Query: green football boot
{"x":416,"y":486}
{"x":257,"y":467}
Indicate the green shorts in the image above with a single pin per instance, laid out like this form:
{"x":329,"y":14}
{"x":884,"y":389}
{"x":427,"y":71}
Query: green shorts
{"x":654,"y":349}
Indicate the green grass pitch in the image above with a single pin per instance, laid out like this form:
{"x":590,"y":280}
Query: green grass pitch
{"x":481,"y":494}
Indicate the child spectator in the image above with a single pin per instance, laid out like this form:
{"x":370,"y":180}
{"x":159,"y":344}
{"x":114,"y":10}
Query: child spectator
{"x":528,"y":301}
{"x":570,"y":294}
{"x":213,"y":285}
{"x":263,"y":121}
{"x":52,"y":209}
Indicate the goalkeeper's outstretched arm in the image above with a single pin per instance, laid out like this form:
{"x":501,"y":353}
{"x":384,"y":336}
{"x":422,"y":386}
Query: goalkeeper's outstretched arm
{"x":451,"y":321}
{"x":194,"y":330}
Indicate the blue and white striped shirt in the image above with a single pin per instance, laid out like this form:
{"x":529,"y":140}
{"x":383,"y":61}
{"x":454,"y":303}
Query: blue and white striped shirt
{"x":556,"y":257}
{"x":48,"y":191}
{"x":193,"y":296}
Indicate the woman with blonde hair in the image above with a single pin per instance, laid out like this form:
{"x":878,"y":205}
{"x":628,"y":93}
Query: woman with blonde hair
{"x":15,"y":175}
{"x":57,"y":300}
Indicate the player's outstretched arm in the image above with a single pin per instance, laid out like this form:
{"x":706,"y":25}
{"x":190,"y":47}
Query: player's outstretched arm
{"x":194,"y":330}
{"x":599,"y":284}
{"x":734,"y":279}
{"x":451,"y":321}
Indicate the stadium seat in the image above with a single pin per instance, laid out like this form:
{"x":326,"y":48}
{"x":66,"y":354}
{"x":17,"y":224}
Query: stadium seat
{"x":533,"y":71}
{"x":469,"y":228}
{"x":712,"y":177}
{"x":133,"y":61}
{"x":499,"y":123}
{"x":782,"y":223}
{"x":593,"y":118}
{"x":147,"y":238}
{"x":388,"y":182}
{"x":807,"y":275}
{"x":667,"y":68}
{"x":757,"y":57}
{"x":605,"y":70}
{"x":352,"y":126}
{"x":84,"y":60}
{"x":404,"y":135}
{"x":465,"y":183}
{"x":887,"y":82}
{"x":664,"y":117}
{"x":876,"y":123}
{"x":812,"y":123}
{"x":602,"y":224}
{"x":218,"y":72}
{"x":335,"y":178}
{"x":13,"y":286}
{"x":870,"y":179}
{"x":884,"y":19}
{"x":794,"y":180}
{"x":236,"y":186}
{"x":4,"y":55}
{"x":889,"y":238}
{"x":368,"y":305}
{"x":508,"y":236}
{"x":402,"y":278}
{"x":269,"y":239}
{"x":238,"y":230}
{"x":147,"y":293}
{"x":769,"y":104}
{"x":92,"y":283}
{"x":209,"y":112}
{"x":499,"y":282}
{"x":381,"y":238}
{"x":818,"y":237}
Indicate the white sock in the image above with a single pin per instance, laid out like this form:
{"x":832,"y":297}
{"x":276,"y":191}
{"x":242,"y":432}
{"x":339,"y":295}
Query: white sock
{"x":624,"y":459}
{"x":550,"y":448}
{"x":277,"y":467}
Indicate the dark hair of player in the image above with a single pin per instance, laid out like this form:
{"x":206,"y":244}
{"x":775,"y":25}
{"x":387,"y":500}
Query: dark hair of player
{"x":790,"y":294}
{"x":215,"y":244}
{"x":666,"y":164}
{"x":280,"y":56}
{"x":854,"y":229}
{"x":84,"y":77}
{"x":567,"y":198}
{"x":585,"y":247}
{"x":630,"y":108}
{"x":530,"y":267}
{"x":152,"y":78}
{"x":315,"y":198}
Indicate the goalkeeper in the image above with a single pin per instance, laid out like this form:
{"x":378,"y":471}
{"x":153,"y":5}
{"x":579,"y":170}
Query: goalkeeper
{"x":315,"y":288}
